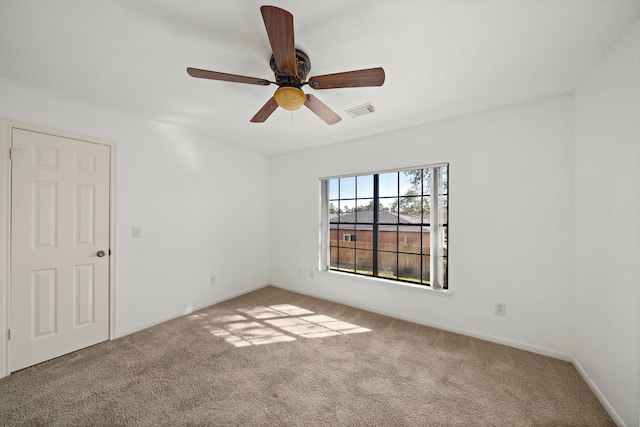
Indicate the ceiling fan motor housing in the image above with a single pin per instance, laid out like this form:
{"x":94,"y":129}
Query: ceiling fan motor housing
{"x":284,"y":78}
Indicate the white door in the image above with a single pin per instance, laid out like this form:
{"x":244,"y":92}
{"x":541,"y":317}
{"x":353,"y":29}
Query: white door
{"x":59,"y":246}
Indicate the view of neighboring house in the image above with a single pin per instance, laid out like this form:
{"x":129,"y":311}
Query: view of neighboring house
{"x":404,"y":244}
{"x":397,"y":229}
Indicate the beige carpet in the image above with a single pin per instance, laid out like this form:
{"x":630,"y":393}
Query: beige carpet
{"x":276,"y":358}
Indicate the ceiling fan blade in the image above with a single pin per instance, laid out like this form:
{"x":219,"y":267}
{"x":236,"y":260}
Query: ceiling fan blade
{"x":279,"y":25}
{"x":321,"y":110}
{"x":264,"y":113}
{"x":358,"y":78}
{"x":215,"y":75}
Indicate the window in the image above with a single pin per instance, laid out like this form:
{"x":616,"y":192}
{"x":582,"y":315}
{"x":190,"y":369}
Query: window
{"x":392,"y":225}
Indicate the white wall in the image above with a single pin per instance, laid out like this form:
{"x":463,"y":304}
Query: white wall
{"x":563,"y":259}
{"x":510,"y":184}
{"x":197,"y":201}
{"x":606,"y":301}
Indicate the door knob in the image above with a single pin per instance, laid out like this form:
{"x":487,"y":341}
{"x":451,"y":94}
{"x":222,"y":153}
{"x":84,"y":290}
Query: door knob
{"x":101,"y":253}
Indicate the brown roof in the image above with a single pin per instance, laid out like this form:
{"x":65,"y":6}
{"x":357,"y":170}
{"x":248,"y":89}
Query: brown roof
{"x":361,"y":220}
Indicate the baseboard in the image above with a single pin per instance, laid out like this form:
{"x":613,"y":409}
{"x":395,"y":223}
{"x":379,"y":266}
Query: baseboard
{"x":601,"y":397}
{"x":191,"y":309}
{"x":467,"y":332}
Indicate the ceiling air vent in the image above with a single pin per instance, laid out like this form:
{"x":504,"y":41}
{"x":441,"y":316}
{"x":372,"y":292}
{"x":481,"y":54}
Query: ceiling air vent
{"x":361,"y":110}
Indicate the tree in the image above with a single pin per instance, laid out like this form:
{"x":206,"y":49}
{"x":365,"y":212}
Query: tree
{"x":368,"y":207}
{"x":412,"y":202}
{"x":420,"y":181}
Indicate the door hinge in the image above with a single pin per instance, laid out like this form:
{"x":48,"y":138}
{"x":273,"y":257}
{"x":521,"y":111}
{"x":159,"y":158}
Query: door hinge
{"x":10,"y":153}
{"x":9,"y":334}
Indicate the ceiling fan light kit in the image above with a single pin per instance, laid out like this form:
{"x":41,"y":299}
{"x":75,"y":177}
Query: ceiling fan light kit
{"x":290,"y":67}
{"x":290,"y":98}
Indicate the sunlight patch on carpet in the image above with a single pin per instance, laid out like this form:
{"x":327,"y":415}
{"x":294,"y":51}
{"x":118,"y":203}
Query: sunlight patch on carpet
{"x":275,"y":323}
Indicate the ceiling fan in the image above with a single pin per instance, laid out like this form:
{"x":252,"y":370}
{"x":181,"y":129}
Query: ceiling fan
{"x":291,"y":67}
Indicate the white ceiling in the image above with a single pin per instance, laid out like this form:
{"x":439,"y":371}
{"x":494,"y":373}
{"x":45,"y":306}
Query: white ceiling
{"x":442,"y":58}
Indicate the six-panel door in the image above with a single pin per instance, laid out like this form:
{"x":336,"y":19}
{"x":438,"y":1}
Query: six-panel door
{"x":60,"y":223}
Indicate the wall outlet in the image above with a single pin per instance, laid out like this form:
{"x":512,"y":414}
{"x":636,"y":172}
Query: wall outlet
{"x":212,"y":280}
{"x":501,"y":309}
{"x":311,"y":273}
{"x":137,"y":232}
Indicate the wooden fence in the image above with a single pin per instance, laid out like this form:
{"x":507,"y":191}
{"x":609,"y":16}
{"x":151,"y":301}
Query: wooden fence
{"x":409,"y":261}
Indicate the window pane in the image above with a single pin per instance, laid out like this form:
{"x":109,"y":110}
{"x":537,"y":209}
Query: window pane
{"x":333,"y":189}
{"x":426,"y":181}
{"x":445,"y":269}
{"x":409,"y":267}
{"x":426,"y":209}
{"x":409,"y":239}
{"x":346,"y":259}
{"x":364,"y":204}
{"x":365,"y":186}
{"x":387,"y":264}
{"x":364,"y":237}
{"x":445,"y":179}
{"x":333,"y":234}
{"x":333,"y":210}
{"x":333,"y":258}
{"x":411,"y":206}
{"x":348,"y":188}
{"x":344,"y":236}
{"x":364,"y":261}
{"x":389,"y":204}
{"x":426,"y":241}
{"x":346,"y":207}
{"x":411,"y":182}
{"x":365,"y":217}
{"x":426,"y":276}
{"x":388,"y":238}
{"x":388,"y":184}
{"x":446,"y":240}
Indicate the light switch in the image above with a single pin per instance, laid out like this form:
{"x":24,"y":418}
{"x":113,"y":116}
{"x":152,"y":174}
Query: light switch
{"x":137,"y":232}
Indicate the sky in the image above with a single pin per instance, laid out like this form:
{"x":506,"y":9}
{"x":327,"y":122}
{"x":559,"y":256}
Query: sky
{"x":358,"y":190}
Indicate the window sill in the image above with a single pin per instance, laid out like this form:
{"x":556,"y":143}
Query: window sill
{"x":393,"y":283}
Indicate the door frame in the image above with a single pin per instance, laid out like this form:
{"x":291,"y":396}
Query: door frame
{"x":6,"y":127}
